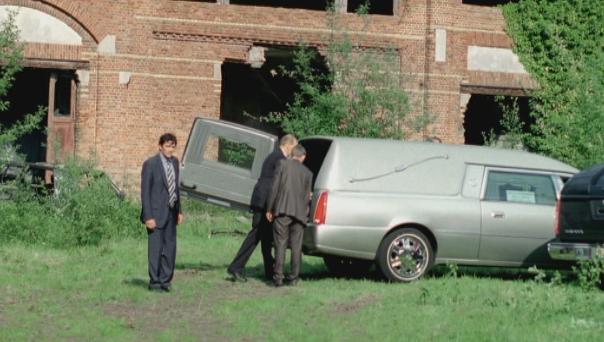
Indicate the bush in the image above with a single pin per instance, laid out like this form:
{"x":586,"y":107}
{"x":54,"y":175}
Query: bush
{"x":83,"y":210}
{"x":561,"y":43}
{"x":353,"y":91}
{"x":590,"y":273}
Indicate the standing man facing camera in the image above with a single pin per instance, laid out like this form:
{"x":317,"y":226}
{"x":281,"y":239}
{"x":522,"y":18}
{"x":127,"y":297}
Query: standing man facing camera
{"x":161,"y":212}
{"x":261,"y":229}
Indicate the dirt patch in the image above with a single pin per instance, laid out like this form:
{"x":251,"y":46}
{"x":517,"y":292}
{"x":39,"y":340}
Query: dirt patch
{"x":166,"y":309}
{"x":150,"y":318}
{"x":355,"y":305}
{"x":188,"y":272}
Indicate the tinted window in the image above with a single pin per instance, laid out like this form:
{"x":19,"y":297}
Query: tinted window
{"x":520,"y":188}
{"x":226,"y":151}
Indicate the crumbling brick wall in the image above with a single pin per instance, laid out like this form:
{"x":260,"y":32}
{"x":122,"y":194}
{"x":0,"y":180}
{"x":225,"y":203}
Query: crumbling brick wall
{"x":150,"y":66}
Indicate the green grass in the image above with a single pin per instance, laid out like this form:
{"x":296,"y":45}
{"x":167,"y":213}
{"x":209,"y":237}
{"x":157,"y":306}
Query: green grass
{"x":99,"y":293}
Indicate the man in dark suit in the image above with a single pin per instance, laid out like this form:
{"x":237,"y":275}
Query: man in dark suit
{"x":261,"y":228}
{"x":161,"y":212}
{"x":288,"y":206}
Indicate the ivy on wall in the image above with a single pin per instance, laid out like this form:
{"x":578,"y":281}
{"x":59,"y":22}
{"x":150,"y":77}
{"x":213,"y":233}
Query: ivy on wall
{"x":561,"y":43}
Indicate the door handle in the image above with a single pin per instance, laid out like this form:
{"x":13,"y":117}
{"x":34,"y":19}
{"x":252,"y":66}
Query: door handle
{"x":497,"y":214}
{"x":188,"y":187}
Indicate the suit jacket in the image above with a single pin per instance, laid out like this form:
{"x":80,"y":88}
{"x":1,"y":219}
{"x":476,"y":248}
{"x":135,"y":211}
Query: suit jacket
{"x":155,"y":197}
{"x":290,"y":192}
{"x":263,"y":186}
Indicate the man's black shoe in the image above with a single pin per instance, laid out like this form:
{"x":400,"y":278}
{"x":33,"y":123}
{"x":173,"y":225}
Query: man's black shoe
{"x":155,"y":288}
{"x":166,"y":288}
{"x":238,"y":277}
{"x":277,"y":283}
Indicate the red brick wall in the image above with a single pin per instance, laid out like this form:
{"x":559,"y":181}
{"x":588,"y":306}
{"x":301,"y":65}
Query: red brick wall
{"x":173,"y":48}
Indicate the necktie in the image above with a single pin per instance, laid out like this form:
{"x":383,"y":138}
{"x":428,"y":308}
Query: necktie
{"x":171,"y":185}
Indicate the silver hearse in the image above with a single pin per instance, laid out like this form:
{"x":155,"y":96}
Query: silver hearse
{"x":404,"y":206}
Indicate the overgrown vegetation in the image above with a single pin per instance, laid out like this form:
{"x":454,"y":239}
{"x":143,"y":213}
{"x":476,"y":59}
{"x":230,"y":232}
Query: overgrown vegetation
{"x":11,"y":56}
{"x":513,"y":128}
{"x":359,"y":93}
{"x":590,"y":273}
{"x":561,"y":43}
{"x":83,"y":210}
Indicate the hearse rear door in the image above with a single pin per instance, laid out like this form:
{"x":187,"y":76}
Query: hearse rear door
{"x":222,"y":162}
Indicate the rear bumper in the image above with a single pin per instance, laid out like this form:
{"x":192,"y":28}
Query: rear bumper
{"x":346,"y":241}
{"x":570,"y":251}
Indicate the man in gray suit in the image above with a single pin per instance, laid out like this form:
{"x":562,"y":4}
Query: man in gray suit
{"x":288,"y":208}
{"x":262,"y":230}
{"x":161,"y":212}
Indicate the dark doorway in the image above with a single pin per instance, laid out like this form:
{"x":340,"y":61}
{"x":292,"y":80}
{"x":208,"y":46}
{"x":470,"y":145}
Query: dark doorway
{"x":484,"y":113}
{"x":251,"y":94}
{"x":29,"y":91}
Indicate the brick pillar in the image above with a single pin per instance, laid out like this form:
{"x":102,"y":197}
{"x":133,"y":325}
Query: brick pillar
{"x":341,"y":6}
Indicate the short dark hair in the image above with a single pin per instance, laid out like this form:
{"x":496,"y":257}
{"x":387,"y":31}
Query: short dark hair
{"x":298,"y":151}
{"x":167,"y":137}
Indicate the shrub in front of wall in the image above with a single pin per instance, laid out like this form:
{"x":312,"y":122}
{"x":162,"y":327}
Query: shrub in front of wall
{"x":84,"y":209}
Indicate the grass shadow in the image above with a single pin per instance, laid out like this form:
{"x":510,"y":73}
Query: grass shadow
{"x":200,"y":266}
{"x":310,"y":272}
{"x":136,"y":282}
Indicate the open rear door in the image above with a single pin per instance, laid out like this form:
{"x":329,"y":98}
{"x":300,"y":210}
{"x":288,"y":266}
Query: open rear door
{"x":222,"y":162}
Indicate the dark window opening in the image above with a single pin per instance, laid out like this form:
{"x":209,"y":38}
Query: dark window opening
{"x":384,"y":7}
{"x":302,"y":4}
{"x":29,"y":91}
{"x":484,"y":114}
{"x":63,"y":94}
{"x":250,"y":94}
{"x":487,"y":2}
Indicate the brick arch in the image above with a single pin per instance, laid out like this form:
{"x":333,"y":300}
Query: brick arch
{"x":73,"y":15}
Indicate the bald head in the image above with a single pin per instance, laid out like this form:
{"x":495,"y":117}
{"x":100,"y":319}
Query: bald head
{"x":287,"y":143}
{"x":288,"y":139}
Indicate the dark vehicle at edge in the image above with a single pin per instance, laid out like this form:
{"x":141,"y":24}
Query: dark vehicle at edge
{"x":580,"y":217}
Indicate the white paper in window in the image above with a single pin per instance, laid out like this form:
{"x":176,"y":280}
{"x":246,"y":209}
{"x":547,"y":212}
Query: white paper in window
{"x":520,"y":196}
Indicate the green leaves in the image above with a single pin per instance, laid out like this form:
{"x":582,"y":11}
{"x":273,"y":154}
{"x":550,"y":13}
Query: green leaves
{"x":84,"y":210}
{"x":11,"y":55}
{"x":561,"y":43}
{"x":360,"y":94}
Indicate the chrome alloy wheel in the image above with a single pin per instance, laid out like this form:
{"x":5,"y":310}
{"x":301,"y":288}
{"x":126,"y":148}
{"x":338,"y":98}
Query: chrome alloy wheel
{"x":408,"y":257}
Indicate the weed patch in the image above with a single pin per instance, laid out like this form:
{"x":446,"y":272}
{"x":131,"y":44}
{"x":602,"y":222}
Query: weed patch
{"x":83,"y":210}
{"x":590,"y":273}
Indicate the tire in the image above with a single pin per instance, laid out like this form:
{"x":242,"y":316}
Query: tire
{"x":405,"y":255}
{"x":347,"y":267}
